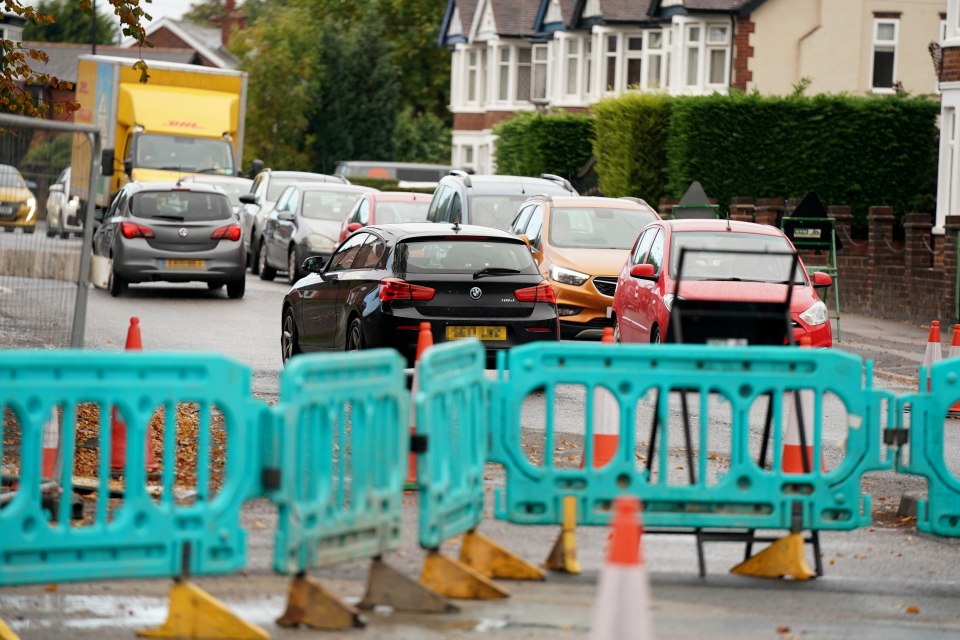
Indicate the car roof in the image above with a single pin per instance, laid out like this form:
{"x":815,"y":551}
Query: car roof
{"x":304,"y":175}
{"x":333,"y":186}
{"x":487,"y":183}
{"x":401,"y":196}
{"x":217,"y":179}
{"x":599,"y":202}
{"x":182,"y":185}
{"x":412,"y":230}
{"x":721,"y":225}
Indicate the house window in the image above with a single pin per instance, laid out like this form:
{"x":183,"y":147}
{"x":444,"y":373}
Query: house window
{"x":588,"y":65}
{"x":483,"y":75}
{"x":718,"y":48}
{"x":655,"y":56}
{"x":472,"y":75}
{"x":572,"y":63}
{"x":539,"y":72}
{"x":523,"y":74}
{"x":611,"y":60}
{"x":503,"y":87}
{"x":634,"y":59}
{"x":884,"y":53}
{"x":467,"y":155}
{"x":693,"y":56}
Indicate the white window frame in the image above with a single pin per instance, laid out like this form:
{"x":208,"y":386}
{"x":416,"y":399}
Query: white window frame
{"x":542,"y":67}
{"x":570,"y":68}
{"x":654,"y":58}
{"x":587,"y":71}
{"x":516,"y":87}
{"x":696,"y":55}
{"x":632,"y":54}
{"x":605,"y":56}
{"x":713,"y":46}
{"x":695,"y":46}
{"x":878,"y":45}
{"x":471,"y":76}
{"x":505,"y":74}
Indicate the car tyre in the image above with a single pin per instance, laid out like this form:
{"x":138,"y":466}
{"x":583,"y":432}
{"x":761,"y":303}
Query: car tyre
{"x":117,"y":284}
{"x":355,"y":336}
{"x":64,"y":235}
{"x":265,"y":270}
{"x":254,"y":256}
{"x":655,"y":336}
{"x":616,"y":331}
{"x":236,"y":289}
{"x":8,"y":229}
{"x":29,"y":229}
{"x":289,"y":337}
{"x":292,"y":268}
{"x":51,"y":232}
{"x":213,"y":286}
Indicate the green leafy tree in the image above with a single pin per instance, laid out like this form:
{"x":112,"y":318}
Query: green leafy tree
{"x":421,"y":138}
{"x":72,"y":24}
{"x":203,"y":12}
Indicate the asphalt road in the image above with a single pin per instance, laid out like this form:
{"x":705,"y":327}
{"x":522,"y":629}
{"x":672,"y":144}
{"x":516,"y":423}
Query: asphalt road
{"x":885,"y":581}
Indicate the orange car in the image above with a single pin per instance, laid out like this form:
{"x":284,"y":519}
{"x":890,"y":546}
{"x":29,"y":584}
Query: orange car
{"x":385,"y":207}
{"x":580,"y":243}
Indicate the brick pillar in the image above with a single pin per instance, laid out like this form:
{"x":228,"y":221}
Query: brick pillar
{"x":769,"y":211}
{"x":742,"y":209}
{"x":879,"y":234}
{"x":842,"y":222}
{"x":951,"y":227}
{"x":917,"y":228}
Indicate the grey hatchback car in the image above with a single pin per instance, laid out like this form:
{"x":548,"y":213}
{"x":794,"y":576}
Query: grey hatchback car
{"x":172,"y":232}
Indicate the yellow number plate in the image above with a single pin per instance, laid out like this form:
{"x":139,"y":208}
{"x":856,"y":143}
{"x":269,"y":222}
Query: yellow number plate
{"x":183,"y":264}
{"x":484,"y":333}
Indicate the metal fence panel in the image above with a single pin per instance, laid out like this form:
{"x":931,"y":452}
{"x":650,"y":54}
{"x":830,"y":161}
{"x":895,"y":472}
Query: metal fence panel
{"x":696,"y":487}
{"x":188,"y":408}
{"x":43,"y":257}
{"x":452,"y":412}
{"x":343,"y":442}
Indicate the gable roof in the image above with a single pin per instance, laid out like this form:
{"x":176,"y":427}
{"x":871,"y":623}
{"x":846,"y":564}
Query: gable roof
{"x":515,"y":17}
{"x":207,"y":41}
{"x":62,"y":62}
{"x":465,"y":9}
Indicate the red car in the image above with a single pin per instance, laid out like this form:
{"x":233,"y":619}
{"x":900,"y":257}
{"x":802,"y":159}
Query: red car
{"x":647,"y":284}
{"x":386,"y":207}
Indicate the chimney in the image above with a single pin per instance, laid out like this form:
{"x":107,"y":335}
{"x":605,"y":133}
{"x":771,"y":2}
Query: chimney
{"x":232,"y":18}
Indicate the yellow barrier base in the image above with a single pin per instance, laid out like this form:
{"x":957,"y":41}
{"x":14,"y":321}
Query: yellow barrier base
{"x":563,"y":556}
{"x":455,"y":580}
{"x":6,"y":633}
{"x":782,"y":558}
{"x":492,"y":560}
{"x":308,"y":603}
{"x":389,"y":587}
{"x":194,"y":613}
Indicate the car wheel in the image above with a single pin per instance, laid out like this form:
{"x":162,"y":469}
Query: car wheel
{"x":213,"y":286}
{"x":655,"y":336}
{"x":355,"y":336}
{"x":254,"y":257}
{"x":616,"y":330}
{"x":116,"y":284}
{"x":29,"y":229}
{"x":289,"y":338}
{"x":265,"y":270}
{"x":51,"y":232}
{"x":236,"y":288}
{"x":292,"y":268}
{"x":64,"y":235}
{"x":8,"y":229}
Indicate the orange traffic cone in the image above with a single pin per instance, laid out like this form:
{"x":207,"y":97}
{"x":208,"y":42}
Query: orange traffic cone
{"x":933,"y":353}
{"x":798,"y":414}
{"x":118,"y":428}
{"x":954,"y":352}
{"x":424,"y":341}
{"x":606,"y":420}
{"x":622,"y":608}
{"x":51,"y":444}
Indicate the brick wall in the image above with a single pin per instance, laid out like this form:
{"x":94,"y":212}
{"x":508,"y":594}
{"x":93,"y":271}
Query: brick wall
{"x":166,"y":38}
{"x":742,"y":53}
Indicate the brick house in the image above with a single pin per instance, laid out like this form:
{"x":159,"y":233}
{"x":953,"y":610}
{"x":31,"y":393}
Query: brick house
{"x":522,"y":55}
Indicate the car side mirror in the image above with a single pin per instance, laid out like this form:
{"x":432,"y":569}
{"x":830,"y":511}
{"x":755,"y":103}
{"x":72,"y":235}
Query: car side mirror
{"x":644,"y":271}
{"x":286,"y":216}
{"x":128,"y":166}
{"x":821,"y":279}
{"x":353,"y":226}
{"x":313,"y":264}
{"x":98,"y":215}
{"x":248,"y":198}
{"x":106,"y":162}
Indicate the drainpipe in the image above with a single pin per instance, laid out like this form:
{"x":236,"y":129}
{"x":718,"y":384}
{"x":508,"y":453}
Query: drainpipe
{"x":807,"y":35}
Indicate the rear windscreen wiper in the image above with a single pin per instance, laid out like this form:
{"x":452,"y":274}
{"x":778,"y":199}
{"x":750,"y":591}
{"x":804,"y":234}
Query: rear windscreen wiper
{"x":162,"y":216}
{"x":494,"y":271}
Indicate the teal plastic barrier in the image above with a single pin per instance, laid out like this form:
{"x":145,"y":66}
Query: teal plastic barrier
{"x":144,"y":536}
{"x":341,"y":435}
{"x":689,"y":490}
{"x":939,"y":514}
{"x":452,"y":413}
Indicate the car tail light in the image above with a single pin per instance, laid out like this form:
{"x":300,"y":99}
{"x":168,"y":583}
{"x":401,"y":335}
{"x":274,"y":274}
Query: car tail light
{"x":229,"y":232}
{"x":543,"y":292}
{"x":397,"y":289}
{"x":133,"y":230}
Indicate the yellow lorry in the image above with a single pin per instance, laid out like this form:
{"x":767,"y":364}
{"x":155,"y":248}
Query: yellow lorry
{"x":187,"y":119}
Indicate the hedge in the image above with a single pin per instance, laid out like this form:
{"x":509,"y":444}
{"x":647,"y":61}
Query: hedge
{"x":532,"y":143}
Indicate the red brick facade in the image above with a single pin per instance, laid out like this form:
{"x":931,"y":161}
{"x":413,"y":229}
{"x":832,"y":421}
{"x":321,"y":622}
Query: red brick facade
{"x":951,"y":65}
{"x":742,"y":53}
{"x":164,"y":37}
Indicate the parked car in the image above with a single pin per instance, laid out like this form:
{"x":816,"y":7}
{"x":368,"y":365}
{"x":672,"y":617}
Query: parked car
{"x":62,"y":215}
{"x":647,"y":285}
{"x":580,"y":243}
{"x":385,"y":207}
{"x":233,"y":186}
{"x":381,"y":283}
{"x":18,"y":206}
{"x":487,"y":200}
{"x":409,"y":175}
{"x":305,"y":222}
{"x":258,"y":203}
{"x":172,"y":232}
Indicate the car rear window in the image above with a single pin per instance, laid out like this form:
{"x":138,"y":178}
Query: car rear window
{"x":597,"y":227}
{"x":398,"y":212}
{"x":328,"y":205}
{"x":277,"y":185}
{"x":733,"y":256}
{"x":181,"y":205}
{"x":462,"y":255}
{"x":495,"y":211}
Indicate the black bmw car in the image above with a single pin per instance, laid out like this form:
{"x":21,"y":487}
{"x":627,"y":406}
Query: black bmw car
{"x":384,"y":280}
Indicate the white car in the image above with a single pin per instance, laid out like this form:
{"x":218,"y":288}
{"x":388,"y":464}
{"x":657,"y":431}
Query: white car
{"x":62,"y":217}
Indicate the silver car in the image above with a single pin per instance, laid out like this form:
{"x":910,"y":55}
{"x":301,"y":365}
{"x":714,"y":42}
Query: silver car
{"x":62,"y":215}
{"x":172,"y":232}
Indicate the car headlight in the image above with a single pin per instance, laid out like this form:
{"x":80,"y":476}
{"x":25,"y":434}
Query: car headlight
{"x":567,"y":276}
{"x":317,"y":242}
{"x":31,"y":205}
{"x":816,"y":314}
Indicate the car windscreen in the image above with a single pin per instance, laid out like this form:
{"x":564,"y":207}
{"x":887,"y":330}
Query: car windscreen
{"x":327,"y":205}
{"x":495,"y":211}
{"x":763,"y":258}
{"x":398,"y":212}
{"x":463,"y":254}
{"x":597,"y":227}
{"x":185,"y":206}
{"x":11,"y":178}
